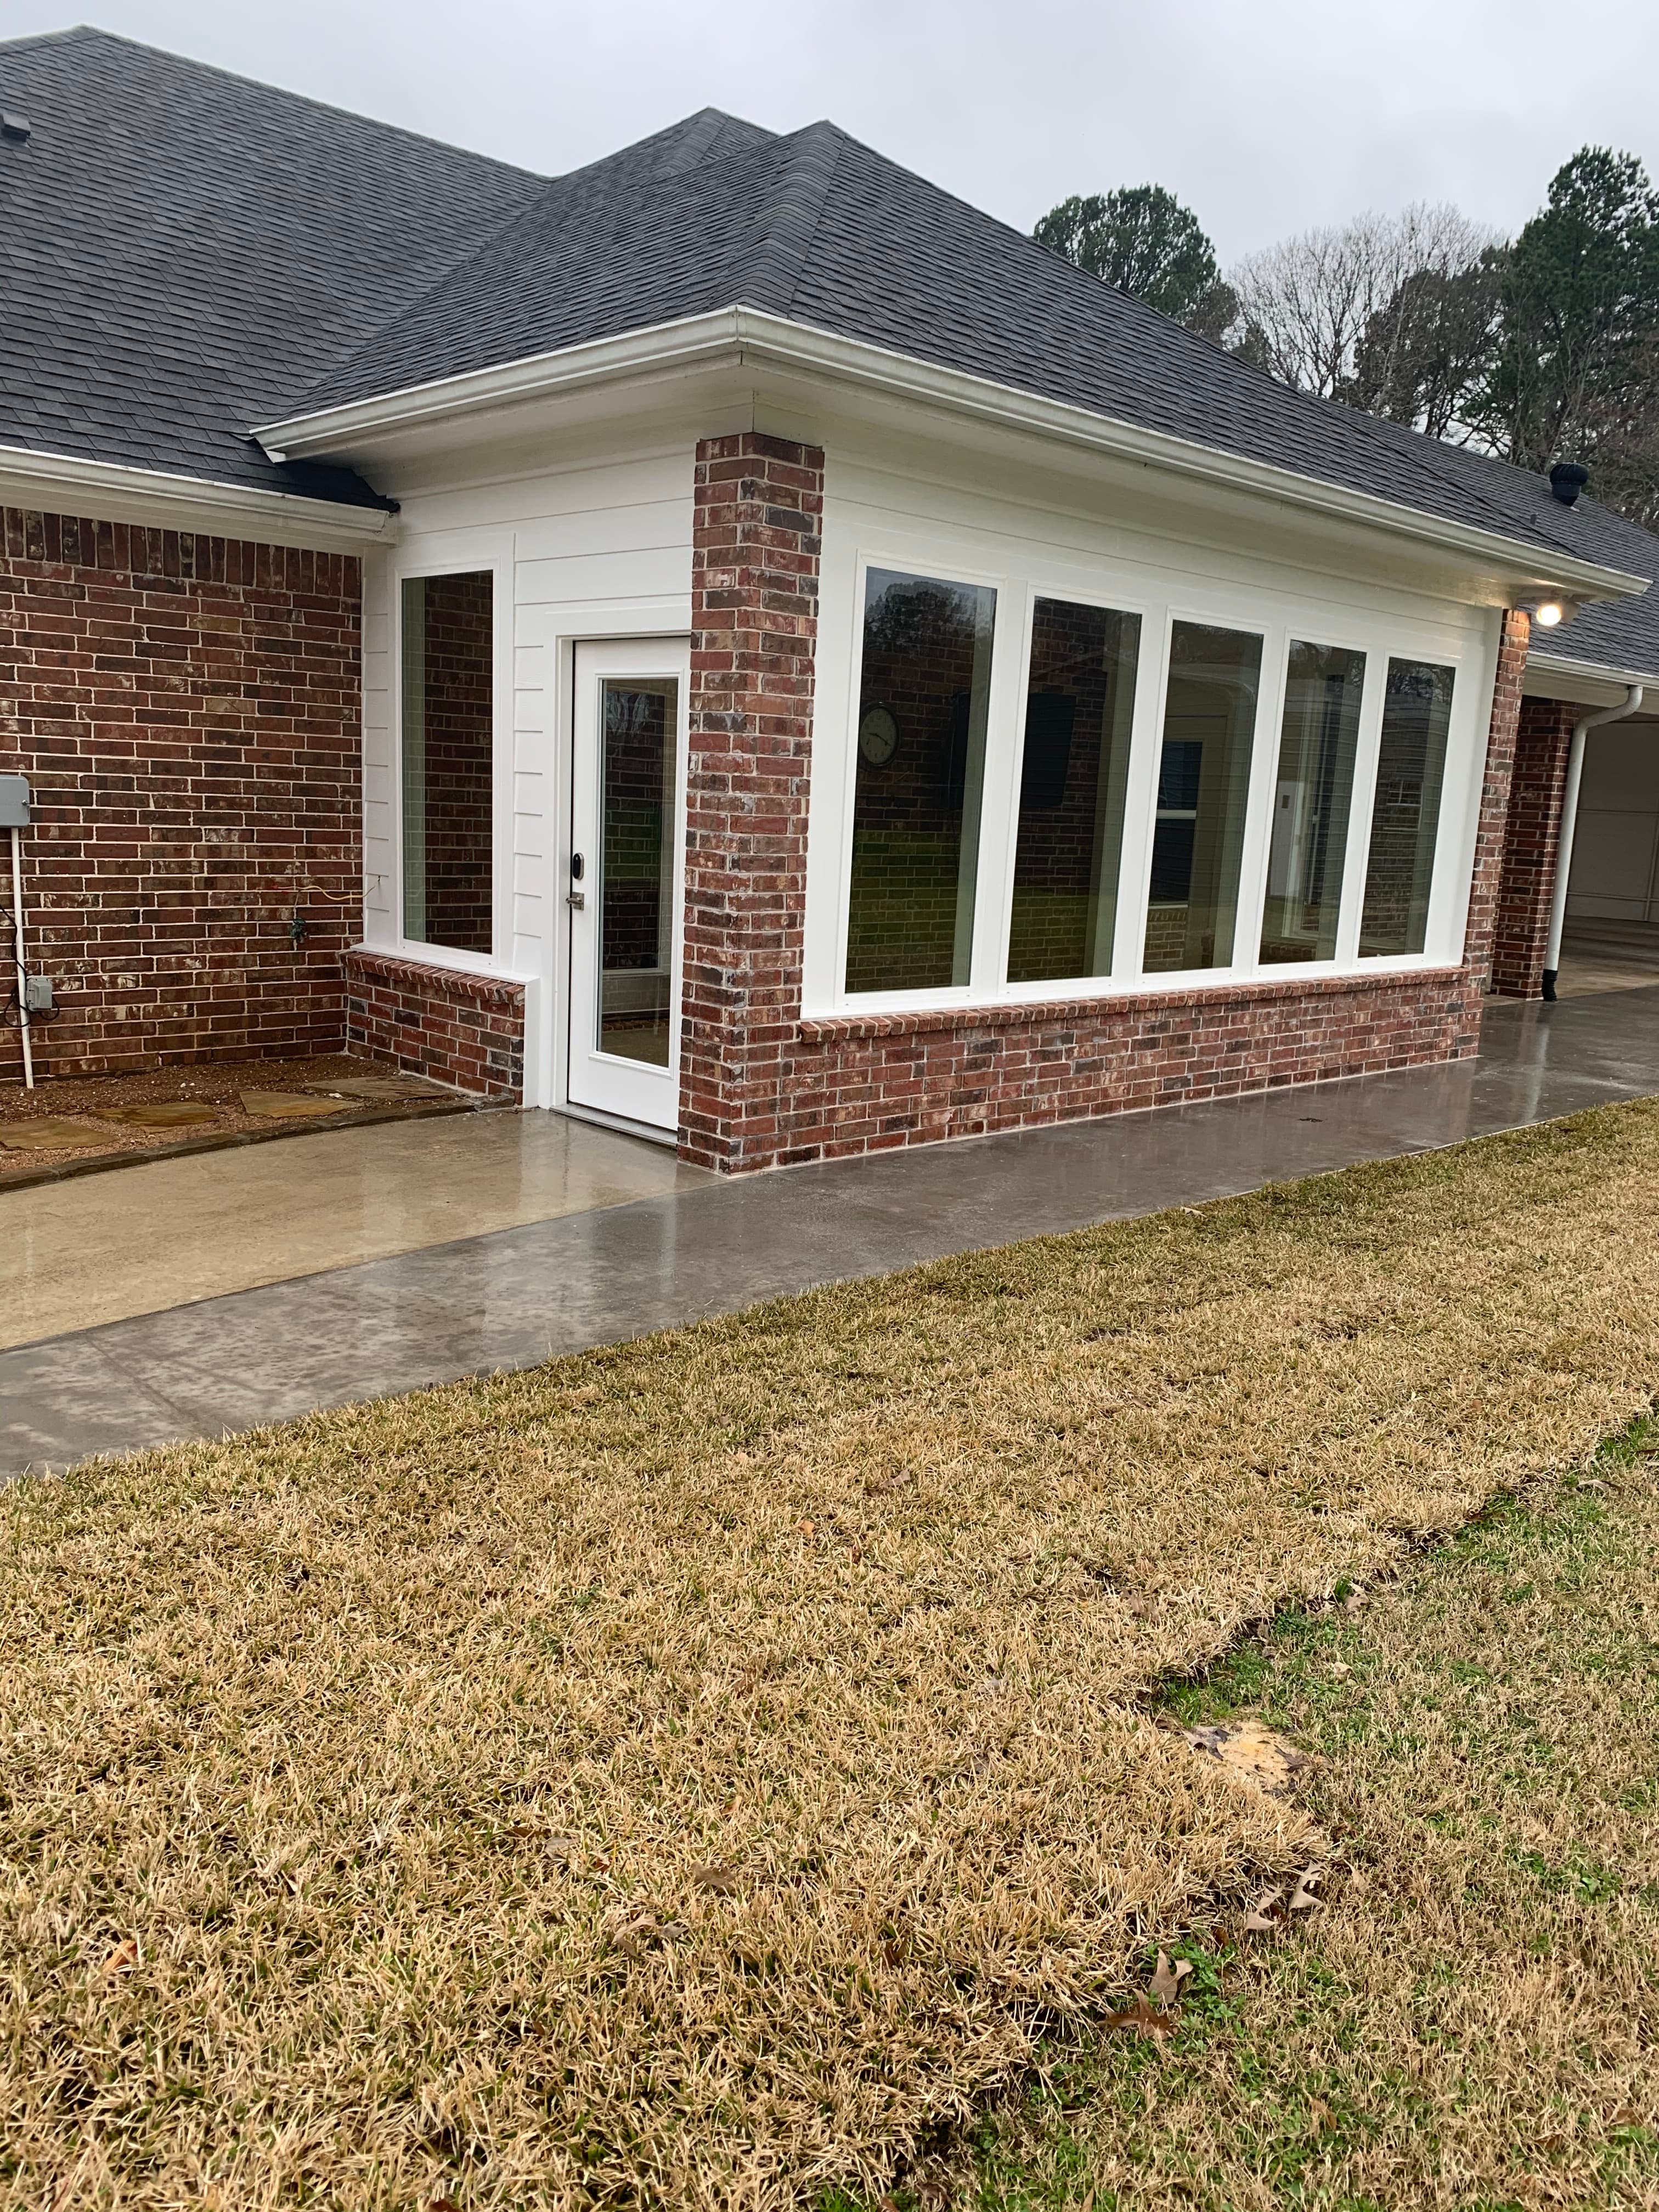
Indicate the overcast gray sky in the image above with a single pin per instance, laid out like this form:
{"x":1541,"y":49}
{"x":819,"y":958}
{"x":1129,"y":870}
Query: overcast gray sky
{"x":1264,"y":115}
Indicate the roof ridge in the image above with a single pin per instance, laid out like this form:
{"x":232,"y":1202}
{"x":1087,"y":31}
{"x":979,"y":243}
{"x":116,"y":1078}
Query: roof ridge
{"x":538,"y":207}
{"x":770,"y":267}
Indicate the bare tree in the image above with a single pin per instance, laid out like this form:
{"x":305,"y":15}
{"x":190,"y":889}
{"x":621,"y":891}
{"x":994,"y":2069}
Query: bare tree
{"x":1336,"y":312}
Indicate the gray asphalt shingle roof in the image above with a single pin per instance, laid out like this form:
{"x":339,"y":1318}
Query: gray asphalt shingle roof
{"x":179,"y":246}
{"x":186,"y":253}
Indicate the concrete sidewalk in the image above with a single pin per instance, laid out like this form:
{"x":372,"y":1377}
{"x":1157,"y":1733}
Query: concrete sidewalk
{"x":527,"y":1294}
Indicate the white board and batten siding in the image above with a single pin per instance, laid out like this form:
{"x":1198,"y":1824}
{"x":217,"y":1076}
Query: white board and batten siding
{"x":597,"y":551}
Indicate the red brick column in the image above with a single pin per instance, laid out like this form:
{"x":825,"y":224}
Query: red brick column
{"x":756,"y":544}
{"x":1532,"y":846}
{"x":1491,"y":833}
{"x":187,"y":710}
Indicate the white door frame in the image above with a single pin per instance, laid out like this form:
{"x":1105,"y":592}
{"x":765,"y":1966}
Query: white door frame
{"x":633,"y":1093}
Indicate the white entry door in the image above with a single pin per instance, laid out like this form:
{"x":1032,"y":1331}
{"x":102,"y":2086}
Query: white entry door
{"x":627,"y":867}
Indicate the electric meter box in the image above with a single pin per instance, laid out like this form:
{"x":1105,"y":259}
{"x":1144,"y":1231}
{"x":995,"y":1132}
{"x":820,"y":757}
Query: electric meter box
{"x":13,"y":802}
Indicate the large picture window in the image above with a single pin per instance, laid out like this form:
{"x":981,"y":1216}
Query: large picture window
{"x":1313,"y":792}
{"x":1079,"y":707}
{"x":448,"y":760}
{"x":1411,"y":771}
{"x":1203,"y":790}
{"x":923,"y":698}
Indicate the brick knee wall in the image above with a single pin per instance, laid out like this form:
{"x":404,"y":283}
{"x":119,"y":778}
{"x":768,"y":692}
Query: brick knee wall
{"x":1532,"y":847}
{"x":187,"y":710}
{"x":463,"y":1030}
{"x":865,"y":1083}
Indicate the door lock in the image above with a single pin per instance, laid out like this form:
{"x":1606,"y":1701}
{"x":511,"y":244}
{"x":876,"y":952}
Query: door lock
{"x":575,"y":898}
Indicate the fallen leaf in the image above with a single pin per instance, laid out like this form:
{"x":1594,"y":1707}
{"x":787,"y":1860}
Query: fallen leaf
{"x":1626,"y":2117}
{"x":1140,"y":2018}
{"x":1303,"y":1899}
{"x":722,"y":1881}
{"x":1165,"y":1988}
{"x":1257,"y":1920}
{"x":123,"y":1959}
{"x":443,"y":2204}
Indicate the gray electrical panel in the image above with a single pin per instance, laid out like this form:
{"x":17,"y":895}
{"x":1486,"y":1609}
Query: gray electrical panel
{"x":13,"y":802}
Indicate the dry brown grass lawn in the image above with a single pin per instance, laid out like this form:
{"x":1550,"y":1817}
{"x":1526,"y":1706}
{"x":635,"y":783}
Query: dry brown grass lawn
{"x":680,"y":1775}
{"x":1473,"y":2023}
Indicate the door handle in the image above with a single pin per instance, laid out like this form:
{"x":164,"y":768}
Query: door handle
{"x":575,"y":898}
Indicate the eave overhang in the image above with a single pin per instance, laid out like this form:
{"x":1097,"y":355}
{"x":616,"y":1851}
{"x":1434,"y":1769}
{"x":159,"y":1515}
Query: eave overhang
{"x":748,"y":338}
{"x":65,"y":483}
{"x":1589,"y":683}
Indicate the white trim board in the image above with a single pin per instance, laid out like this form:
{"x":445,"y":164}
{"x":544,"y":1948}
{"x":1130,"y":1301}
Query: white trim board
{"x":747,"y":338}
{"x":61,"y":483}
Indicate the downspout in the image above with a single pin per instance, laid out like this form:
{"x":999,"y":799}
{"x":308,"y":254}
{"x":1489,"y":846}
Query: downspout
{"x":1569,"y":826}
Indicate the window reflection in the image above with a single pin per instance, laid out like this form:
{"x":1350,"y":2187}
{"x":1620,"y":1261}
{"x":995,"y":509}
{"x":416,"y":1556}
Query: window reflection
{"x":1312,"y":794}
{"x":923,"y":697}
{"x":448,"y":760}
{"x":638,"y":780}
{"x":1078,"y":709}
{"x":1411,"y":771}
{"x":1203,"y":787}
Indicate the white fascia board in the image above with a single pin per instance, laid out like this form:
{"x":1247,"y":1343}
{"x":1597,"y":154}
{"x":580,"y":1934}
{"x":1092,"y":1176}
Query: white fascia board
{"x":63,"y":483}
{"x":746,"y":337}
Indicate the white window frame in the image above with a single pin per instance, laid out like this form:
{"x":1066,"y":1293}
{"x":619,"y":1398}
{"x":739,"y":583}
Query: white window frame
{"x":474,"y":554}
{"x":1280,"y":615}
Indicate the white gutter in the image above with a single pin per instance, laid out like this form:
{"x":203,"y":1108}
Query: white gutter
{"x":740,"y":336}
{"x":1569,"y":828}
{"x":1557,"y":664}
{"x":65,"y":484}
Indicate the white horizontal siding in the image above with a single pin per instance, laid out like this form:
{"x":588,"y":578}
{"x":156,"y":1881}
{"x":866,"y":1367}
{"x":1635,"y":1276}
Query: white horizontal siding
{"x":601,"y":548}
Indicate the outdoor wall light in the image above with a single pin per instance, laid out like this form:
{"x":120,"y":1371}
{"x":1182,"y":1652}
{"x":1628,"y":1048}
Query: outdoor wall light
{"x":1546,"y":613}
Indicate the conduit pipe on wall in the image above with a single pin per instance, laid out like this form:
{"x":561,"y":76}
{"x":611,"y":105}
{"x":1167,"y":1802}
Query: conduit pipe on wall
{"x":23,"y":972}
{"x":1569,"y":826}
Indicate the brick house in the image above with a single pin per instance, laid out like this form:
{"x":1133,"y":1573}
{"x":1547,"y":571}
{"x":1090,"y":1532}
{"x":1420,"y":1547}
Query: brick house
{"x":731,"y":641}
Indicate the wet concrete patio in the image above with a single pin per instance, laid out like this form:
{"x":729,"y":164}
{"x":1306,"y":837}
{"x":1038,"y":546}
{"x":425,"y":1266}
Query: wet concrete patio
{"x":692,"y":1246}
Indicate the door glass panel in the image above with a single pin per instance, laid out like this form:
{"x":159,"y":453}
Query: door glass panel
{"x":1309,"y":841}
{"x":1079,"y":704}
{"x":1411,"y":768}
{"x":635,"y":888}
{"x":922,"y":701}
{"x":1203,"y":785}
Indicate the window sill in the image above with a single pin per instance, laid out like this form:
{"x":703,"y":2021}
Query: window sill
{"x":1142,"y":999}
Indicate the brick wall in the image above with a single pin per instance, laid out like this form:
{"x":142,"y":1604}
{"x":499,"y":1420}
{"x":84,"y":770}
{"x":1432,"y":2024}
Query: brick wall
{"x":1532,"y":847}
{"x":762,"y":1086}
{"x":863,"y":1084}
{"x":188,"y":711}
{"x":463,"y":1030}
{"x":756,"y":544}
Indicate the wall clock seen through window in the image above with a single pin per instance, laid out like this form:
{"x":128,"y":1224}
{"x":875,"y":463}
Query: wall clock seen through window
{"x":877,"y":736}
